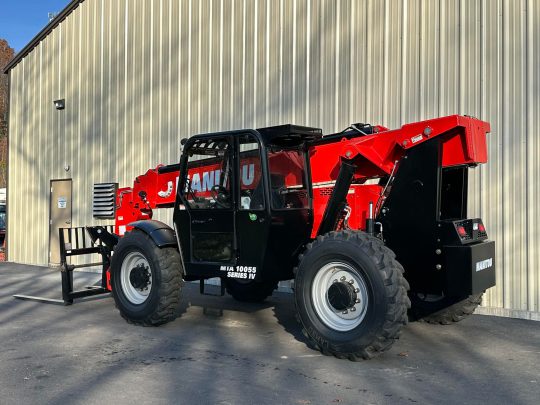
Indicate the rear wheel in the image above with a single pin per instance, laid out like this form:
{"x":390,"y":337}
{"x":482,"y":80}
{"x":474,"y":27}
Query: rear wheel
{"x":350,"y":294}
{"x":146,"y":280}
{"x":250,"y":291}
{"x":441,"y":309}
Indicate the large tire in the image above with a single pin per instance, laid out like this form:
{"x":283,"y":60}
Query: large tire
{"x":325,"y":298}
{"x":250,"y":291}
{"x":442,"y":310}
{"x":146,"y":280}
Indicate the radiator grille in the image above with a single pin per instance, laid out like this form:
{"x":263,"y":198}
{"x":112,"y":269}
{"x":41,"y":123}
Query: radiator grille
{"x":103,"y":200}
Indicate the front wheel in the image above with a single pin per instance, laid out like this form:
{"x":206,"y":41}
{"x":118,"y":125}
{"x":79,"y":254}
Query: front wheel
{"x":350,"y":294}
{"x":146,"y":280}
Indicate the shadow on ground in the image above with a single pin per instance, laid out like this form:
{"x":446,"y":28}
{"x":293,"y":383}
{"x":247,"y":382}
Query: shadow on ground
{"x":223,"y":352}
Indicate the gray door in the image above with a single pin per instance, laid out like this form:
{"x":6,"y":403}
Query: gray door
{"x":60,"y":216}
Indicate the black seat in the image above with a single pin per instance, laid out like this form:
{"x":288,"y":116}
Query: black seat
{"x":276,"y":188}
{"x":277,"y":183}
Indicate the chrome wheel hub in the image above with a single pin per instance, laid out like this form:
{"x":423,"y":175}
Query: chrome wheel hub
{"x":136,"y":278}
{"x":340,"y":296}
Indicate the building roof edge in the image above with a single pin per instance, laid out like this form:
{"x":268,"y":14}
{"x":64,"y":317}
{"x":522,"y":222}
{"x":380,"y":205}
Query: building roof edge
{"x":42,"y":34}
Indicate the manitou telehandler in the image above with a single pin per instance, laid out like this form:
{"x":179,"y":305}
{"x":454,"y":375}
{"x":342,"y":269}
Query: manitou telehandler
{"x":368,"y":223}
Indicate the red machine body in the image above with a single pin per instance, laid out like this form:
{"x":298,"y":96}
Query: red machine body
{"x":257,"y":207}
{"x":405,"y":189}
{"x":376,"y":156}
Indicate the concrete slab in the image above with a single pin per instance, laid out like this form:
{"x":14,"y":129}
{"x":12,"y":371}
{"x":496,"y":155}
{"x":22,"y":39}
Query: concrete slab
{"x":223,"y":352}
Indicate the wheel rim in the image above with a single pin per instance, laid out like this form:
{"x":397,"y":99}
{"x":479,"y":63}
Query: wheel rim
{"x":136,"y":278}
{"x":352,"y":286}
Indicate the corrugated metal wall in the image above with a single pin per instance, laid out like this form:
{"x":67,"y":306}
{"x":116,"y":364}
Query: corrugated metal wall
{"x":139,"y":75}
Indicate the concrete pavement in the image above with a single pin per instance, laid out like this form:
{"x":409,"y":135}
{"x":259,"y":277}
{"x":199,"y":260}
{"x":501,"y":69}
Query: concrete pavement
{"x":223,"y":352}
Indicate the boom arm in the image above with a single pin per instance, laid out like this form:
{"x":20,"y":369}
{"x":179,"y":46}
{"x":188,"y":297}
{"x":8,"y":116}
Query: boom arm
{"x":154,"y":189}
{"x":377,"y":156}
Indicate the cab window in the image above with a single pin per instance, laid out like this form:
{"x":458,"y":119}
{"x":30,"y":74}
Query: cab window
{"x":250,"y":178}
{"x":209,"y":172}
{"x":288,"y":187}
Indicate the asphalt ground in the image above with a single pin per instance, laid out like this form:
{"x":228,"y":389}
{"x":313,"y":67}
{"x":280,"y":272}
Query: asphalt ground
{"x":223,"y":352}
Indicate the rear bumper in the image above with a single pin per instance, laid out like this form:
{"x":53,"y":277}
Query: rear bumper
{"x":469,"y":269}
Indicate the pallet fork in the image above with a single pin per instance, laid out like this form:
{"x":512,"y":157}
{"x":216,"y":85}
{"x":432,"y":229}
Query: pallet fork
{"x":81,"y":241}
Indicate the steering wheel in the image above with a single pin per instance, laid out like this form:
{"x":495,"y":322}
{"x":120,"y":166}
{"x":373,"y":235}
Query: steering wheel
{"x":220,"y":195}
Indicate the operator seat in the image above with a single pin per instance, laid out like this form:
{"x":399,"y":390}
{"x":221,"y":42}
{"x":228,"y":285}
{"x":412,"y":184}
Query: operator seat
{"x":277,"y":182}
{"x":257,"y":197}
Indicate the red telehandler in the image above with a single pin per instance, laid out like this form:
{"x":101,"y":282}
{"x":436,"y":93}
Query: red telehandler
{"x":370,"y":223}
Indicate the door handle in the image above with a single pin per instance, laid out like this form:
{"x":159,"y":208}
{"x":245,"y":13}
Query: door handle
{"x":68,"y":222}
{"x":201,"y":221}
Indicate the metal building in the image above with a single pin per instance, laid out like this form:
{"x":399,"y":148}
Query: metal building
{"x":136,"y":76}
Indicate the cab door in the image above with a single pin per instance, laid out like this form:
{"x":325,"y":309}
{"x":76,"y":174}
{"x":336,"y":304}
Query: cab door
{"x":205,"y":216}
{"x":252,"y":218}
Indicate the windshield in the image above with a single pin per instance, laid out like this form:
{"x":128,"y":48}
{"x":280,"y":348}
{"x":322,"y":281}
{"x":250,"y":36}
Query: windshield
{"x":207,"y":185}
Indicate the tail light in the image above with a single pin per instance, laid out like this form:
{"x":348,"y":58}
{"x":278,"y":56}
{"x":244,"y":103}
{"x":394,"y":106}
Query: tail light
{"x":470,"y":230}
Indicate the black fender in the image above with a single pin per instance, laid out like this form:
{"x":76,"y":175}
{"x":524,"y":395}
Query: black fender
{"x":162,"y":234}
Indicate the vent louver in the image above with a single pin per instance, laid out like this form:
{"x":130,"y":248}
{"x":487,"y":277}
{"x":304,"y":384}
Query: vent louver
{"x":104,"y":200}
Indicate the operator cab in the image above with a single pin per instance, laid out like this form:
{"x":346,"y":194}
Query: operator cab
{"x":245,"y":198}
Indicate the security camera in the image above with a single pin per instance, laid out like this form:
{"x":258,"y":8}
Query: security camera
{"x":60,"y":104}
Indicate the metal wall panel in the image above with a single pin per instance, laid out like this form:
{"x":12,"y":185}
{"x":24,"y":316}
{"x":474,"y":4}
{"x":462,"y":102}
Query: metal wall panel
{"x":138,"y":76}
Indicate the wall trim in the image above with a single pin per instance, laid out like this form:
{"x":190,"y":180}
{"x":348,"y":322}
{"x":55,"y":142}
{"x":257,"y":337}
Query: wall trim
{"x":508,"y":313}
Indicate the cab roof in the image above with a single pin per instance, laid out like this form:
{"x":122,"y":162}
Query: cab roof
{"x":289,"y":134}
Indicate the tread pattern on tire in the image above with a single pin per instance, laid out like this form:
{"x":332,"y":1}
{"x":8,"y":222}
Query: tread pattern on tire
{"x":396,"y":291}
{"x":171,"y":285}
{"x":455,"y":312}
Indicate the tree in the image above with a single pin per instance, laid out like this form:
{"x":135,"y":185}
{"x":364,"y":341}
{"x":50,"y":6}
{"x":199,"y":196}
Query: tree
{"x":6,"y":54}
